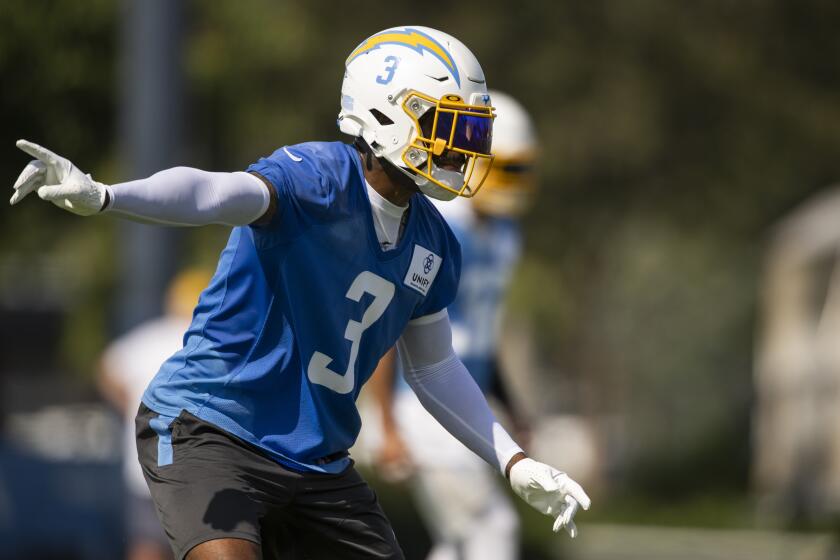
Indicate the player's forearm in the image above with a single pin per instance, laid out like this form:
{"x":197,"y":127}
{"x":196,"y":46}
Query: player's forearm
{"x":450,"y":394}
{"x":382,"y":386}
{"x":190,"y":197}
{"x":500,"y":390}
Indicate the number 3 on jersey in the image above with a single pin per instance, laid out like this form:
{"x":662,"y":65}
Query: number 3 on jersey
{"x":382,"y":292}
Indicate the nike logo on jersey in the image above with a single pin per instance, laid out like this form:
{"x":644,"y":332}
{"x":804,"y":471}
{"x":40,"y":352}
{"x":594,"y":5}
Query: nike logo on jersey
{"x":291,"y":155}
{"x":422,"y":270}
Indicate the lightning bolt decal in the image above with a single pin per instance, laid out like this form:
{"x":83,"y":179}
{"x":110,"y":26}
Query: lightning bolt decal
{"x":413,"y":39}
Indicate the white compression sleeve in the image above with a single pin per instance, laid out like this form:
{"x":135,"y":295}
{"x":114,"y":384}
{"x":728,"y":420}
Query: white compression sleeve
{"x":190,"y":197}
{"x":447,"y":390}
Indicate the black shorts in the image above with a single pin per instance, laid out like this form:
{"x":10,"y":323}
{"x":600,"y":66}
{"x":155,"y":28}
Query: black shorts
{"x":218,"y":486}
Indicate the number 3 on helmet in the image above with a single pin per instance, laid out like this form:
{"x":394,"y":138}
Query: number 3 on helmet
{"x":418,"y":98}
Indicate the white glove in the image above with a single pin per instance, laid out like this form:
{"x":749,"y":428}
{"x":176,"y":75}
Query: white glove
{"x":549,"y":491}
{"x":56,"y":179}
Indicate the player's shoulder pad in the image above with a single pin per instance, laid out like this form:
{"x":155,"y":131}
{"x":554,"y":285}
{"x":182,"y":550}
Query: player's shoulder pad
{"x":312,"y":177}
{"x":317,"y":154}
{"x":441,"y":240}
{"x":327,"y":161}
{"x":440,"y":229}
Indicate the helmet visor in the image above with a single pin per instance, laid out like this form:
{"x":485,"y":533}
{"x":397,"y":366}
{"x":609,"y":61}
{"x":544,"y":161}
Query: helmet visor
{"x":465,"y":130}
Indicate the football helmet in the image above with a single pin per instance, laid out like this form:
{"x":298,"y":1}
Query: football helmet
{"x":418,"y":99}
{"x":510,"y":184}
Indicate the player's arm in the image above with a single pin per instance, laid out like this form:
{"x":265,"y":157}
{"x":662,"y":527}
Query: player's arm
{"x":500,"y":390}
{"x":450,"y":394}
{"x":382,"y":386}
{"x":179,"y":196}
{"x":393,"y":460}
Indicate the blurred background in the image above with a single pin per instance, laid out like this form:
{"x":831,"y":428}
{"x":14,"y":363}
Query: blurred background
{"x":674,"y":326}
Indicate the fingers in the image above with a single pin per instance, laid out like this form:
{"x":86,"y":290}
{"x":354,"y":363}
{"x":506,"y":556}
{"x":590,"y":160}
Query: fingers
{"x":32,"y":169}
{"x":565,"y":519}
{"x":568,"y":525}
{"x":30,"y":179}
{"x":575,"y":490}
{"x":39,"y":152}
{"x":54,"y":192}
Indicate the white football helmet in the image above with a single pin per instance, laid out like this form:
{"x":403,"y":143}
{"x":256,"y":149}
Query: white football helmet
{"x":418,"y":98}
{"x":510,"y":185}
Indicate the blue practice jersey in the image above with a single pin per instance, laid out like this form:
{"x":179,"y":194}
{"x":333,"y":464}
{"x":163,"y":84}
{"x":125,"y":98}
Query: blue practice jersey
{"x":300,"y":311}
{"x":490,"y":249}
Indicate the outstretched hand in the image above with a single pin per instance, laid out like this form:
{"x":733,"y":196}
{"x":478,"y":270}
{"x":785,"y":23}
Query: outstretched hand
{"x":549,"y":491}
{"x":58,"y":181}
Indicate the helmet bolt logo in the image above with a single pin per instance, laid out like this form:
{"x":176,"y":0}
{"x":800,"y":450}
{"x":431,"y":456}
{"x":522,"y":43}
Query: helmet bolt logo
{"x":428,"y":263}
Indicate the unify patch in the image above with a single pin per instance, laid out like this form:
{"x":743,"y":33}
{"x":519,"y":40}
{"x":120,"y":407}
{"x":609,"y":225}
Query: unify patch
{"x":422,"y":270}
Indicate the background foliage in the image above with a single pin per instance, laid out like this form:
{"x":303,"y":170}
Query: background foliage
{"x":674,"y":135}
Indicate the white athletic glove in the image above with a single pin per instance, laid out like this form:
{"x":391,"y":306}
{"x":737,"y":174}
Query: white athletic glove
{"x":549,"y":491}
{"x":56,"y":179}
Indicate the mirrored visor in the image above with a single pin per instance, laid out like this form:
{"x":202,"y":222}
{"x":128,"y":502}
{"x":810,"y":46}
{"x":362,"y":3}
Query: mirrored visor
{"x":473,"y":133}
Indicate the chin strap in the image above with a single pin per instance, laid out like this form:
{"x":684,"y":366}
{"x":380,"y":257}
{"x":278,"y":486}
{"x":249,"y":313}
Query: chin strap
{"x":364,"y":149}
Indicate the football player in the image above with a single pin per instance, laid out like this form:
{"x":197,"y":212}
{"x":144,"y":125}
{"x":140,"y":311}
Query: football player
{"x":336,"y":254}
{"x":466,"y":511}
